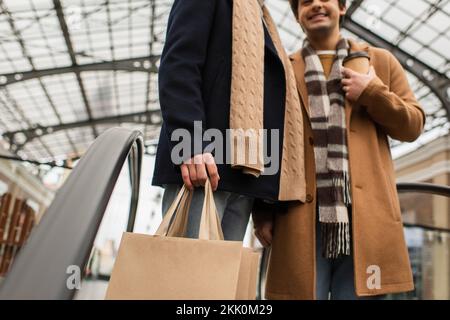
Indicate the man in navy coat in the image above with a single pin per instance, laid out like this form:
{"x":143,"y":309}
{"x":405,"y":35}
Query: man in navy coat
{"x":194,"y":88}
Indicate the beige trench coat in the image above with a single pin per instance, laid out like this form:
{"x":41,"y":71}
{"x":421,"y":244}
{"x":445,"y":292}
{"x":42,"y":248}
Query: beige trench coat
{"x":387,"y":107}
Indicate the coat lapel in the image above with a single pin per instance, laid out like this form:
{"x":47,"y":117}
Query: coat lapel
{"x":299,"y":70}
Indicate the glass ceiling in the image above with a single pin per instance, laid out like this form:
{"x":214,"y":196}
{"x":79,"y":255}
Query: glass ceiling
{"x":70,"y":70}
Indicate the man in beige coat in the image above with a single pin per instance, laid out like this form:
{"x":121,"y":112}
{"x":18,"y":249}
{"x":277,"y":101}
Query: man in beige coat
{"x":346,"y":241}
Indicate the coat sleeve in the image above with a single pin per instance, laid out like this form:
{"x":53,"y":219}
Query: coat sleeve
{"x":394,"y":107}
{"x":180,"y":71}
{"x":264,"y":211}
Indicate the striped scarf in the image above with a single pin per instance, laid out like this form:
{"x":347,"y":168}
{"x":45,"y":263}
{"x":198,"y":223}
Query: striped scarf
{"x":327,"y":106}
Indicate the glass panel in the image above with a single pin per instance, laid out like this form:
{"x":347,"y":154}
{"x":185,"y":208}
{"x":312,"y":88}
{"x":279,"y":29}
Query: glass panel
{"x":427,"y":233}
{"x":425,"y":210}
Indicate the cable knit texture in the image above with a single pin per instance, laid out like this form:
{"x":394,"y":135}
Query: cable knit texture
{"x":247,"y":101}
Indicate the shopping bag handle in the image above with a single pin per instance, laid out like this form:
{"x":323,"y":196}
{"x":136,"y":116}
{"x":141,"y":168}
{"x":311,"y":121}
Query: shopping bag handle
{"x":210,"y":226}
{"x":179,"y":210}
{"x":164,"y":226}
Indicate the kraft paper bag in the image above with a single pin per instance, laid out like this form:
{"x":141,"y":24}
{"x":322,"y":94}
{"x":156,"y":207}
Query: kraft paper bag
{"x":248,"y":275}
{"x":167,"y":266}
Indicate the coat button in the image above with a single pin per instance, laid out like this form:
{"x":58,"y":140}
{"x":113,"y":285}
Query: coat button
{"x":309,"y":198}
{"x":311,"y":141}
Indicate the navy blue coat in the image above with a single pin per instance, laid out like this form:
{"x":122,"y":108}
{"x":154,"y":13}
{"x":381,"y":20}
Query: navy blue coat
{"x":195,"y":85}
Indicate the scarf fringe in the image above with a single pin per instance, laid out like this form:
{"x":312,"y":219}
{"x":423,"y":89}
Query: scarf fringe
{"x":335,"y":239}
{"x":341,"y":184}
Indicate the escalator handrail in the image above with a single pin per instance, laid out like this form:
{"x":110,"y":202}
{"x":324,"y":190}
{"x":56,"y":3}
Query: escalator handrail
{"x":427,"y":188}
{"x":430,"y":188}
{"x":55,"y":255}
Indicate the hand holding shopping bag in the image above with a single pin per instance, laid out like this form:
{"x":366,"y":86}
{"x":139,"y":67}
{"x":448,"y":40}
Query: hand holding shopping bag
{"x":168,"y":266}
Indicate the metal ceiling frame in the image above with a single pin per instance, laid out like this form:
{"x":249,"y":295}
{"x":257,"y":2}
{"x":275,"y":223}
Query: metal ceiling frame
{"x":19,"y":38}
{"x":141,"y":64}
{"x":150,"y":117}
{"x":437,"y":82}
{"x":68,"y":40}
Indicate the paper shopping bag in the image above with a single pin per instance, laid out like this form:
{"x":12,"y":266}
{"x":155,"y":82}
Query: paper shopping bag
{"x":248,"y":275}
{"x":168,"y":266}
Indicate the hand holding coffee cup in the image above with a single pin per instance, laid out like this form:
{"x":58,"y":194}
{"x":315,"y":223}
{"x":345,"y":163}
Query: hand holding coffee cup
{"x":356,"y":75}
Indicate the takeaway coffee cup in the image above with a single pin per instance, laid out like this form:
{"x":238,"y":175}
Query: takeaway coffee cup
{"x":358,"y":61}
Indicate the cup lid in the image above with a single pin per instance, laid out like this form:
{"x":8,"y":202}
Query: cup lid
{"x":357,"y":54}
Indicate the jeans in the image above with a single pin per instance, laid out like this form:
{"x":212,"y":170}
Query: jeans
{"x":335,"y":277}
{"x":233,"y":209}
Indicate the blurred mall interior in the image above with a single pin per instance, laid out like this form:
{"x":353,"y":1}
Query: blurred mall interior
{"x":72,"y":69}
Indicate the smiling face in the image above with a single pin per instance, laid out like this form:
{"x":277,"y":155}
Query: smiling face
{"x":319,"y":17}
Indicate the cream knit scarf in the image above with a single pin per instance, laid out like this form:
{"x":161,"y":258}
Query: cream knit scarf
{"x":247,"y":101}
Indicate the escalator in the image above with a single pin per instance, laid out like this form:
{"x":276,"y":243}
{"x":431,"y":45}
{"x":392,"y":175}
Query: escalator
{"x":59,"y":248}
{"x":62,"y":242}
